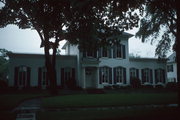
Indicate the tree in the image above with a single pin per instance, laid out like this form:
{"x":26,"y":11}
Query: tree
{"x":162,"y":19}
{"x":4,"y":60}
{"x":88,"y":23}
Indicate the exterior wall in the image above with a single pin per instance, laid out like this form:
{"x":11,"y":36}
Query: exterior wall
{"x":36,"y":61}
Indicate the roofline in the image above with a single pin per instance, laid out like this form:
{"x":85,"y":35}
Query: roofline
{"x":123,"y":34}
{"x":133,"y":58}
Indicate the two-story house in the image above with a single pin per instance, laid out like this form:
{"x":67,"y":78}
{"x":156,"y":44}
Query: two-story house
{"x":106,"y":67}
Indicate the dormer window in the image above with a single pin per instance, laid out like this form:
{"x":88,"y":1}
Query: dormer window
{"x":105,"y":52}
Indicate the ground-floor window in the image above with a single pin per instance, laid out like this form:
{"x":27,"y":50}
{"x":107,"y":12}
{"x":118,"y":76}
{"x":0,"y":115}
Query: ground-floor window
{"x":120,"y":75}
{"x":43,"y":80}
{"x":134,"y":73}
{"x":22,"y":76}
{"x":147,"y":75}
{"x":159,"y":76}
{"x":105,"y":75}
{"x":68,"y":77}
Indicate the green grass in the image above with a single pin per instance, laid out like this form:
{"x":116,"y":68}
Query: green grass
{"x":116,"y":99}
{"x":116,"y":114}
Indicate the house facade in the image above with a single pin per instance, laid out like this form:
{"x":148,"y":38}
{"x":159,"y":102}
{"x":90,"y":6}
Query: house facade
{"x":106,"y":67}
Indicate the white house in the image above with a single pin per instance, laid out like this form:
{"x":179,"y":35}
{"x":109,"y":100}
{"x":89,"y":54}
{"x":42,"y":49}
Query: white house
{"x":172,"y":68}
{"x":105,"y":67}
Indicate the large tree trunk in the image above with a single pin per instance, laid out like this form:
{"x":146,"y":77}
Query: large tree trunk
{"x":50,"y":62}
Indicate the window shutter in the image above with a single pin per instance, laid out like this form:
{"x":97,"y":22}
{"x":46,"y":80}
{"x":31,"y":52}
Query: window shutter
{"x":47,"y":80}
{"x":39,"y":77}
{"x":28,"y":76}
{"x":16,"y":70}
{"x":156,"y":79}
{"x":95,"y":54}
{"x":124,"y":51}
{"x":100,"y":76}
{"x":142,"y":75}
{"x":115,"y":79}
{"x":163,"y":75}
{"x":62,"y":77}
{"x":110,"y":75}
{"x":151,"y":76}
{"x":109,"y":52}
{"x":114,"y":51}
{"x":124,"y":74}
{"x":137,"y":73}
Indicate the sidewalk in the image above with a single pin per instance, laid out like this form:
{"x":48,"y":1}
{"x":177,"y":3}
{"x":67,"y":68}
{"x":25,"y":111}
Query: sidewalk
{"x":27,"y":110}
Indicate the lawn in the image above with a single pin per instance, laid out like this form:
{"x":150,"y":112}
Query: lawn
{"x":10,"y":101}
{"x":116,"y":114}
{"x":110,"y":99}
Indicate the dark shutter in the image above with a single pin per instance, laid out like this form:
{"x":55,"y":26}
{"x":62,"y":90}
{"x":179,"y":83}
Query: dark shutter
{"x":109,"y":52}
{"x":114,"y":51}
{"x":124,"y":74}
{"x":115,"y":78}
{"x":163,"y":75}
{"x":47,"y":79}
{"x":142,"y":75}
{"x":124,"y":51}
{"x":95,"y":54}
{"x":137,"y":73}
{"x":110,"y":75}
{"x":100,"y":77}
{"x":151,"y":76}
{"x":39,"y":77}
{"x":156,"y":78}
{"x":28,"y":76}
{"x":16,"y":69}
{"x":62,"y":77}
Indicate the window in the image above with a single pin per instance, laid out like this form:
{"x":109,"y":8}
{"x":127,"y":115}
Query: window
{"x":120,"y":75}
{"x":119,"y":51}
{"x":169,"y":68}
{"x":22,"y":76}
{"x":105,"y":52}
{"x":147,"y":76}
{"x":105,"y":74}
{"x":134,"y":73}
{"x":159,"y":76}
{"x":90,"y":54}
{"x":43,"y":77}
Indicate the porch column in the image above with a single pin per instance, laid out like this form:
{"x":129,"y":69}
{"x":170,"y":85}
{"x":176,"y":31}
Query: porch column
{"x":83,"y":78}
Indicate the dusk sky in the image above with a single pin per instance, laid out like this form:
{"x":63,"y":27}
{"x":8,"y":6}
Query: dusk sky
{"x":27,"y":41}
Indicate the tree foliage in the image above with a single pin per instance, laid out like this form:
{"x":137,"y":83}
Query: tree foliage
{"x":159,"y":24}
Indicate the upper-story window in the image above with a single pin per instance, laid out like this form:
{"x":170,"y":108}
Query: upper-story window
{"x":147,"y":75}
{"x":104,"y":52}
{"x":92,"y":54}
{"x":169,"y":68}
{"x":119,"y":51}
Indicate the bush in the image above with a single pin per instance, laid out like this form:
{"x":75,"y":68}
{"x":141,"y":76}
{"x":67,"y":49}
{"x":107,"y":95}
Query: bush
{"x":3,"y":84}
{"x":135,"y":82}
{"x":172,"y":85}
{"x":147,"y":86}
{"x":108,"y":87}
{"x":116,"y":86}
{"x":159,"y":86}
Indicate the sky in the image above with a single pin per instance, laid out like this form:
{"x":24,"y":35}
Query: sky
{"x":27,"y":41}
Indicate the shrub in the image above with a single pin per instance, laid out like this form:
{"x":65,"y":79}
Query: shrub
{"x":3,"y":84}
{"x":159,"y":86}
{"x":135,"y":82}
{"x":108,"y":87}
{"x":171,"y":85}
{"x":148,"y":86}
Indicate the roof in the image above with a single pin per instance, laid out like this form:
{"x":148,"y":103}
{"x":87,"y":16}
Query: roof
{"x":146,"y":59}
{"x":30,"y":55}
{"x":125,"y":34}
{"x":172,"y":57}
